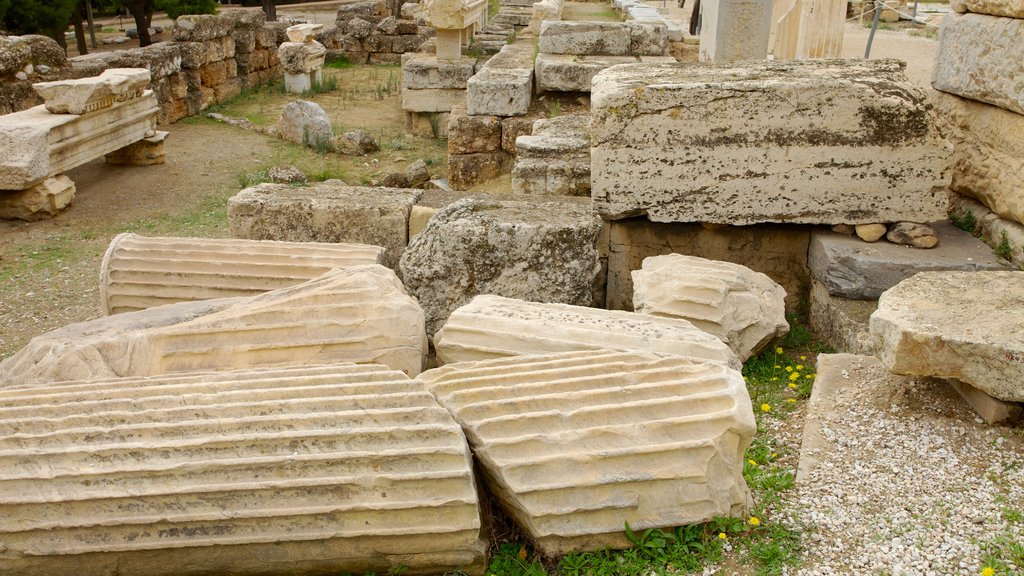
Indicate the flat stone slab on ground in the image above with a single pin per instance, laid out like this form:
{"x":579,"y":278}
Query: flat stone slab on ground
{"x":812,"y":142}
{"x":360,"y":314}
{"x":852,"y":268}
{"x":423,"y":71}
{"x":495,"y":327}
{"x":543,"y":250}
{"x":555,"y":158}
{"x":961,"y":325}
{"x":329,"y":211}
{"x":981,"y":57}
{"x":325,"y":469}
{"x":574,"y":445}
{"x":503,"y":86}
{"x":139,"y":272}
{"x":569,"y":73}
{"x":840,"y":322}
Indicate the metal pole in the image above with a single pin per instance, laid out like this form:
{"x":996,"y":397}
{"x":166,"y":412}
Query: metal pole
{"x":915,"y":10}
{"x":92,"y":27}
{"x":874,"y":26}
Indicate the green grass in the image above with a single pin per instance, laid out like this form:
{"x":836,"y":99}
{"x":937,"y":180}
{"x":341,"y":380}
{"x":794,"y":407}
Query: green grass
{"x":339,"y":63}
{"x":1003,"y":249}
{"x":964,"y":220}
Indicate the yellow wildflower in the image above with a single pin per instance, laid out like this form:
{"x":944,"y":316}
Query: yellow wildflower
{"x":754,"y":521}
{"x":778,"y":350}
{"x":988,"y":571}
{"x":766,"y":407}
{"x":792,"y":385}
{"x":752,"y":462}
{"x":791,"y":400}
{"x":722,"y":536}
{"x":789,"y":368}
{"x":776,"y":366}
{"x":803,"y":357}
{"x":799,"y":366}
{"x":794,"y":376}
{"x":809,"y":376}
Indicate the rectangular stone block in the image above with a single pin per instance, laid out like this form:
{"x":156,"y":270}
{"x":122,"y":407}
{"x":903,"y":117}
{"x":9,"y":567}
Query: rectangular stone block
{"x":815,"y":142}
{"x":472,"y":134}
{"x":988,"y":153}
{"x":431,"y":99}
{"x":733,"y":30}
{"x":1007,"y":8}
{"x":35,"y":144}
{"x":504,"y":85}
{"x":982,"y":58}
{"x":423,"y":71}
{"x":329,"y":211}
{"x":555,"y":159}
{"x":597,"y":38}
{"x":840,"y":322}
{"x":568,"y":73}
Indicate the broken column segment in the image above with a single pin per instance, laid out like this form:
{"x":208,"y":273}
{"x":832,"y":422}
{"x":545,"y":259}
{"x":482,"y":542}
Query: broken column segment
{"x":84,"y":95}
{"x":330,"y":469}
{"x":140,"y":272}
{"x":813,"y":142}
{"x":302,"y":58}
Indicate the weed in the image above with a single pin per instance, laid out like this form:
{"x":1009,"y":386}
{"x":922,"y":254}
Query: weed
{"x":965,"y":221}
{"x":512,"y":559}
{"x":328,"y":84}
{"x":554,"y":108}
{"x":339,"y":63}
{"x":1003,"y":249}
{"x":253,"y":177}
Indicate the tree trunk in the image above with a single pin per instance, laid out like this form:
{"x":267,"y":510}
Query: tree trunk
{"x":271,"y":10}
{"x":139,"y":10}
{"x":76,"y":21}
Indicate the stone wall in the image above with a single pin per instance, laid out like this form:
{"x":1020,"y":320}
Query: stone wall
{"x":211,"y":59}
{"x":365,"y":32}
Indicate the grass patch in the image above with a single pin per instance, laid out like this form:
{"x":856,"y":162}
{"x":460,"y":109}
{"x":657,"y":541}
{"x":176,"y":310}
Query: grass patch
{"x":964,"y":220}
{"x":339,"y":63}
{"x":1003,"y":249}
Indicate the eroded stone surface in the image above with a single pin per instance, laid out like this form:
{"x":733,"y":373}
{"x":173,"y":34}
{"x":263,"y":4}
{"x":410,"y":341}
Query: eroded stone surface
{"x":306,"y":123}
{"x":850,"y":268}
{"x":568,"y":73}
{"x":328,"y":211}
{"x":822,"y":142}
{"x":840,"y":322}
{"x":503,"y":86}
{"x":605,"y":38}
{"x":555,"y":158}
{"x":140,"y":272}
{"x":325,"y":469}
{"x":1008,"y":8}
{"x":577,"y":444}
{"x":426,"y":71}
{"x":44,"y":200}
{"x":83,"y":95}
{"x":734,"y":30}
{"x":301,"y":57}
{"x":955,"y":325}
{"x":495,"y":327}
{"x":743,"y":308}
{"x":981,"y":57}
{"x":360,"y":314}
{"x":544,"y":251}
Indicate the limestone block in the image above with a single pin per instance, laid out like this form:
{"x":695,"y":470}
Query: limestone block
{"x":733,"y":30}
{"x":555,"y":159}
{"x":453,"y":14}
{"x":495,"y":327}
{"x":360,"y":314}
{"x":423,"y":71}
{"x":44,"y":200}
{"x":14,"y":54}
{"x":302,"y":82}
{"x":981,"y":57}
{"x":576,"y":445}
{"x":328,"y":211}
{"x":850,"y":268}
{"x":146,"y":152}
{"x":298,"y":58}
{"x":326,"y":469}
{"x":84,"y":95}
{"x":743,"y":308}
{"x":503,"y":86}
{"x":432,"y":99}
{"x":648,"y":37}
{"x":542,"y":11}
{"x":812,"y":142}
{"x":988,"y":153}
{"x":840,"y":322}
{"x":468,"y":170}
{"x":955,"y":325}
{"x":584,"y":38}
{"x":512,"y":128}
{"x":472,"y":134}
{"x":567,"y":73}
{"x":303,"y":32}
{"x":202,"y":27}
{"x":306,"y":123}
{"x":1008,"y":8}
{"x":543,"y":251}
{"x":36,"y":145}
{"x":141,"y":272}
{"x":776,"y":250}
{"x":370,"y":8}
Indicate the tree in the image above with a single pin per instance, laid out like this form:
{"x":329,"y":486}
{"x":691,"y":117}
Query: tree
{"x":142,"y":13}
{"x":271,"y":10}
{"x":49,"y":17}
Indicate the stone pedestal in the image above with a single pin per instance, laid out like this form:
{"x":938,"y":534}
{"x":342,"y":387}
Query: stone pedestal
{"x":44,"y":200}
{"x":302,"y":59}
{"x":302,"y":82}
{"x":145,"y":152}
{"x":734,"y":30}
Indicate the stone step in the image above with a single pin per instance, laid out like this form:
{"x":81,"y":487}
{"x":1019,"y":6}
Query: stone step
{"x":140,"y":272}
{"x":195,"y":484}
{"x":578,"y":443}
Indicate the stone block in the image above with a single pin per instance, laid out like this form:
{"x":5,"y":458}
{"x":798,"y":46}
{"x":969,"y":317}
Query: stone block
{"x":648,"y":37}
{"x":201,"y":27}
{"x":43,"y":200}
{"x":325,"y":469}
{"x":472,"y":134}
{"x":468,"y":170}
{"x":840,"y":322}
{"x":431,"y":99}
{"x":778,"y":251}
{"x":512,"y":128}
{"x":992,"y":410}
{"x":213,"y":74}
{"x":306,"y":123}
{"x":503,"y":86}
{"x":544,"y":251}
{"x":567,"y":73}
{"x":981,"y":57}
{"x":988,"y":153}
{"x":303,"y":32}
{"x":298,"y":58}
{"x":955,"y":325}
{"x":495,"y":327}
{"x":577,"y":445}
{"x":850,"y":268}
{"x":584,"y":38}
{"x":1007,"y":8}
{"x":744,"y":309}
{"x":427,"y":124}
{"x":329,"y":211}
{"x":555,"y":159}
{"x":426,"y":71}
{"x":36,"y":145}
{"x":733,"y":30}
{"x":84,"y":95}
{"x":858,"y":147}
{"x":146,"y":152}
{"x":139,"y":272}
{"x":360,"y":314}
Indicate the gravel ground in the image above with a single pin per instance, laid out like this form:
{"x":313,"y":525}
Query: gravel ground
{"x":907,"y":480}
